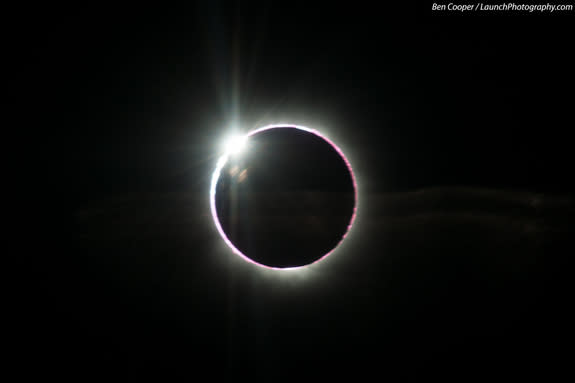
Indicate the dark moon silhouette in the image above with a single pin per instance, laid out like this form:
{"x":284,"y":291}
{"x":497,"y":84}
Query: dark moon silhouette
{"x":287,"y":199}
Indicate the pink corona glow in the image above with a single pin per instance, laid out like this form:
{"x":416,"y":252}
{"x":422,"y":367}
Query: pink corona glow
{"x":222,"y":162}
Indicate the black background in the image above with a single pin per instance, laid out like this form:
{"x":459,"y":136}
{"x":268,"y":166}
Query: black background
{"x":458,"y":129}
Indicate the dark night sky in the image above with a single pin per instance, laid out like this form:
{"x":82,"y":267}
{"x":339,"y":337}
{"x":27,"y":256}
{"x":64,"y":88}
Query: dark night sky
{"x":457,"y":127}
{"x":449,"y":100}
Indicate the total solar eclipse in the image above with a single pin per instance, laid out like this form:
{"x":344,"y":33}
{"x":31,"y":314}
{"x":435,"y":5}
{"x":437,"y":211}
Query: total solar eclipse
{"x":283,"y":196}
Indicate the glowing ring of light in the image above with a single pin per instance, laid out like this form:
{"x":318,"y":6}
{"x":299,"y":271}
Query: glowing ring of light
{"x":224,"y":159}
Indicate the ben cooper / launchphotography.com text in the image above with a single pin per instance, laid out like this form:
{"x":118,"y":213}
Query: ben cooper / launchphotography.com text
{"x":474,"y":7}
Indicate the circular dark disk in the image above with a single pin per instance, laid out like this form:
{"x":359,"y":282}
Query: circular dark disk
{"x":287,"y":199}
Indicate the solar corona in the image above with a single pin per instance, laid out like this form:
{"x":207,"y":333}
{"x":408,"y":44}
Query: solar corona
{"x":283,"y":196}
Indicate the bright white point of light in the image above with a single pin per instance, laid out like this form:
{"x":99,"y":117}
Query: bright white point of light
{"x":235,"y":144}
